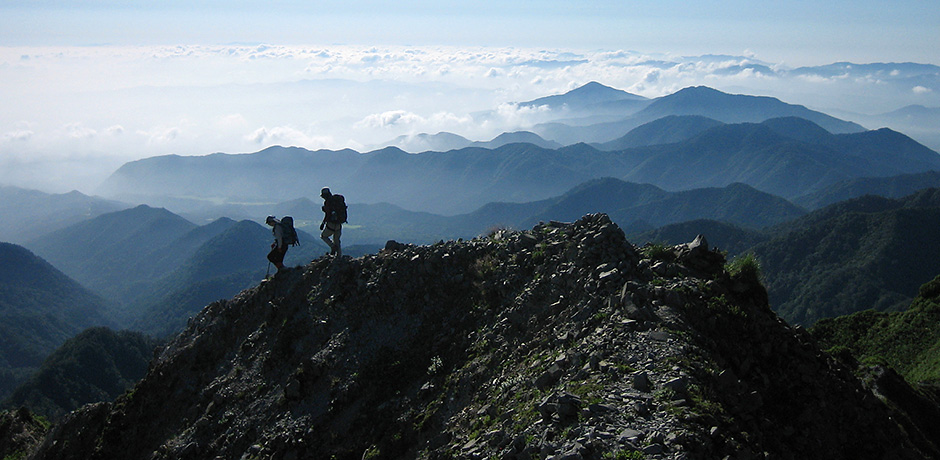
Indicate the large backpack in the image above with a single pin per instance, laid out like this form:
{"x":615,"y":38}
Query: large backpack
{"x":288,"y":233}
{"x":337,"y":209}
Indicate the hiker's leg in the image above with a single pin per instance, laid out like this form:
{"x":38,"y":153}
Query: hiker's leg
{"x":325,"y":236}
{"x":279,"y":257}
{"x":337,"y":233}
{"x":283,"y":253}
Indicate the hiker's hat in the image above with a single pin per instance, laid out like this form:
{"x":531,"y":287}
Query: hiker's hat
{"x":325,"y":191}
{"x":270,"y":220}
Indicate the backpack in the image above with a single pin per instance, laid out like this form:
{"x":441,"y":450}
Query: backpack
{"x":337,"y":209}
{"x":288,"y":233}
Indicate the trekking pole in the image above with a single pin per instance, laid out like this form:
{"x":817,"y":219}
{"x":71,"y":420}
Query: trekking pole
{"x":268,"y":273}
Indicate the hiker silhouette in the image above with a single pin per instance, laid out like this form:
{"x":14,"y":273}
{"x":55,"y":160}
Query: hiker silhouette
{"x":280,"y":244}
{"x":334,"y":215}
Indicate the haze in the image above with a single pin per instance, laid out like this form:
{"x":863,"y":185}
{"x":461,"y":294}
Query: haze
{"x":87,"y":86}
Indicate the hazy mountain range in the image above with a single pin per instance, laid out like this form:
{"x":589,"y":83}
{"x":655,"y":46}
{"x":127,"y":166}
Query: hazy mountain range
{"x":143,"y":256}
{"x":30,"y":214}
{"x":696,"y":101}
{"x":697,"y":137}
{"x":787,"y":157}
{"x":442,"y":142}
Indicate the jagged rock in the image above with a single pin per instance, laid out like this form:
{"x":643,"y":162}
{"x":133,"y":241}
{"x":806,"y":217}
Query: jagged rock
{"x":573,"y":454}
{"x":679,"y":385}
{"x":569,"y":405}
{"x":630,"y":308}
{"x":528,"y":240}
{"x":549,"y":377}
{"x":641,"y":382}
{"x":392,"y":245}
{"x":20,"y":433}
{"x":629,"y":435}
{"x":554,"y":342}
{"x":292,"y":390}
{"x":697,"y":256}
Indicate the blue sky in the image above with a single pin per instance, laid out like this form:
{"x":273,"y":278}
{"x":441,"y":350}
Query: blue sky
{"x":794,"y":31}
{"x":89,"y":85}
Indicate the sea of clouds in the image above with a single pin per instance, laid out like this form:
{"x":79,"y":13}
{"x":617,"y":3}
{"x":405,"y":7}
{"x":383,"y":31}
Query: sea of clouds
{"x":74,"y":114}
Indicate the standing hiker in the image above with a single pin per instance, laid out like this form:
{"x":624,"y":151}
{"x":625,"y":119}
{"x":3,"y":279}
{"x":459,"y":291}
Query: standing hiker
{"x":334,"y":215}
{"x":284,"y":236}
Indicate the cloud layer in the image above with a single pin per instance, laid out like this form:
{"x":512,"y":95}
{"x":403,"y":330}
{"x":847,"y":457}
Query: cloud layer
{"x":116,"y":104}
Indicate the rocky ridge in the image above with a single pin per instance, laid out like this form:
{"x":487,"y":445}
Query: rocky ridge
{"x":561,"y":342}
{"x":20,"y":430}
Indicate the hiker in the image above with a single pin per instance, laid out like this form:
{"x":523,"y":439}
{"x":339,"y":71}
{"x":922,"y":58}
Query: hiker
{"x":334,"y":215}
{"x":279,"y":246}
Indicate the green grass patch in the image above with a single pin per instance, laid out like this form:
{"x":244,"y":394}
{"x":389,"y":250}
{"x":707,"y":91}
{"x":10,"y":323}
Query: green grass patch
{"x":745,"y":267}
{"x":657,"y":251}
{"x":623,"y":455}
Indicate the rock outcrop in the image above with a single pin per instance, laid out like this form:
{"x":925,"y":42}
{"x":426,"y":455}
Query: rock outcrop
{"x":560,"y":342}
{"x":20,"y":431}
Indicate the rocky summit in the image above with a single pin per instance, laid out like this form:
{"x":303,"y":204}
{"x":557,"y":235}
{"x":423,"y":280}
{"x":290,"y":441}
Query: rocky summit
{"x":565,"y":341}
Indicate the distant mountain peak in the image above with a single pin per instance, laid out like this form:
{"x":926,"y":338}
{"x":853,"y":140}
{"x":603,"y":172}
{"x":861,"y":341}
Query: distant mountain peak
{"x":737,"y":108}
{"x":594,"y":87}
{"x":699,"y":89}
{"x":584,"y":96}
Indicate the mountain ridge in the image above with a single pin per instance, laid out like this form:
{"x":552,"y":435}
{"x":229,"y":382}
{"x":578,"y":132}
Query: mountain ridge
{"x":96,"y":252}
{"x":629,"y":354}
{"x":29,"y":214}
{"x":444,"y":141}
{"x":97,"y":364}
{"x":773,"y":156}
{"x":40,"y":308}
{"x":699,"y":101}
{"x":851,"y":248}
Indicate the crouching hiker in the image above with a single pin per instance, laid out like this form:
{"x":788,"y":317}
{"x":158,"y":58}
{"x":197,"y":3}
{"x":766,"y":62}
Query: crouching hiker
{"x":284,"y":236}
{"x":334,"y":215}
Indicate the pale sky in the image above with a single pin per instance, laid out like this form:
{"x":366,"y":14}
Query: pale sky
{"x":799,"y":32}
{"x":88,"y":85}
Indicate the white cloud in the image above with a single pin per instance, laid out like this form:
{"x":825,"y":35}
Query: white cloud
{"x":231,"y":121}
{"x":390,"y":118}
{"x":77,"y":131}
{"x":815,"y":79}
{"x":516,"y":116}
{"x":161,"y":135}
{"x":921,"y":90}
{"x":19,"y":135}
{"x":449,"y":119}
{"x":288,"y":136}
